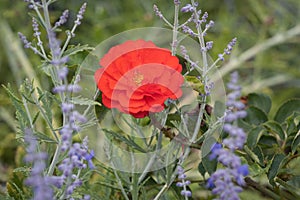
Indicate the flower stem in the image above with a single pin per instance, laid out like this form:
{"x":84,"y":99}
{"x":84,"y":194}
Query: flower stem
{"x":55,"y":159}
{"x":175,"y":30}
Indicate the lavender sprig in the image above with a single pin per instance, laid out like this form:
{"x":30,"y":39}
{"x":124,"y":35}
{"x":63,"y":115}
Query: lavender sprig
{"x":228,"y":182}
{"x":42,"y":188}
{"x":183,"y":183}
{"x":62,"y":19}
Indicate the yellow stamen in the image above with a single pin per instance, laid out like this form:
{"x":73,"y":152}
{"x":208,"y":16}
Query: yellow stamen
{"x":138,"y":78}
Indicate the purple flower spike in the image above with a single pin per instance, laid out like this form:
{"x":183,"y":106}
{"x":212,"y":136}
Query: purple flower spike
{"x":183,"y":183}
{"x":63,"y":18}
{"x":227,"y":182}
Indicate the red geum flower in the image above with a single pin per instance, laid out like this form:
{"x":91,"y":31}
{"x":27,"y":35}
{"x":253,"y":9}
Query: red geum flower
{"x":137,"y":77}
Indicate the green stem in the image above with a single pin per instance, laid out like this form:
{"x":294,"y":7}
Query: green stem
{"x":260,"y":47}
{"x":261,"y":189}
{"x":175,"y":30}
{"x":55,"y":159}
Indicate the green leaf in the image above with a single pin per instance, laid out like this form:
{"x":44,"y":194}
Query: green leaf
{"x":296,"y":142}
{"x":46,"y":68}
{"x":44,"y":137}
{"x":268,"y":140}
{"x":195,"y":83}
{"x":201,"y":169}
{"x":79,"y":100}
{"x":122,"y":138}
{"x":75,"y":49}
{"x":21,"y":114}
{"x":35,"y":117}
{"x":176,"y":191}
{"x":260,"y":101}
{"x":295,"y":181}
{"x":25,"y":170}
{"x":256,"y":155}
{"x":210,"y":166}
{"x":219,"y":109}
{"x":47,"y":102}
{"x":287,"y":109}
{"x":254,"y":136}
{"x":255,"y":116}
{"x":275,"y":128}
{"x":290,"y":122}
{"x":275,"y":167}
{"x":11,"y":93}
{"x":259,"y":153}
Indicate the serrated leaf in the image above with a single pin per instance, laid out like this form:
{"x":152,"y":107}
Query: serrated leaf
{"x":35,"y":117}
{"x":24,"y":170}
{"x":275,"y":167}
{"x":195,"y":83}
{"x":275,"y":128}
{"x":21,"y":114}
{"x":79,"y":100}
{"x":254,"y":136}
{"x":255,"y":116}
{"x":75,"y":49}
{"x":260,"y":101}
{"x":287,"y":109}
{"x":122,"y":138}
{"x":11,"y":93}
{"x":42,"y":137}
{"x":45,"y":67}
{"x":47,"y":101}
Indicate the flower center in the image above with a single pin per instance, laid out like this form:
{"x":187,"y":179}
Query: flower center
{"x":137,"y":78}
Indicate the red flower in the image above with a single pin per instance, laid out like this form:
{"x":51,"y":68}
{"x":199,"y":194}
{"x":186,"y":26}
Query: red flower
{"x":137,"y":77}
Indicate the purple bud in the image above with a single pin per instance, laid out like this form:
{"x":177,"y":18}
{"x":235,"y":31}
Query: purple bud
{"x":209,"y":45}
{"x":59,"y":89}
{"x":63,"y":18}
{"x":74,"y":88}
{"x":62,"y":73}
{"x":221,"y":57}
{"x":187,"y":8}
{"x":176,"y":2}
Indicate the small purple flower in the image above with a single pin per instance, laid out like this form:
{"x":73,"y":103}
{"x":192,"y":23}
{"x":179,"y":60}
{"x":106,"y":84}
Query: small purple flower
{"x":24,"y":40}
{"x":221,"y":57}
{"x":59,"y":89}
{"x":73,"y":88}
{"x":176,"y":2}
{"x":80,"y":14}
{"x":62,"y":73}
{"x":35,"y":27}
{"x":183,"y":183}
{"x":230,"y":46}
{"x":63,"y":18}
{"x":157,"y":11}
{"x":209,"y":45}
{"x":40,"y":184}
{"x":210,"y":24}
{"x":89,"y":158}
{"x":189,"y":31}
{"x":227,"y":182}
{"x":187,"y":8}
{"x":204,"y":17}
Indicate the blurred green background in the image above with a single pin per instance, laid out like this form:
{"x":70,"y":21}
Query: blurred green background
{"x":274,"y":70}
